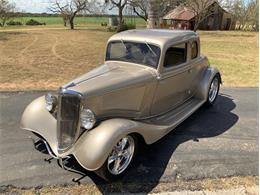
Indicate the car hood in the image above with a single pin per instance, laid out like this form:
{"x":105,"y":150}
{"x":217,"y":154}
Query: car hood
{"x":111,"y":76}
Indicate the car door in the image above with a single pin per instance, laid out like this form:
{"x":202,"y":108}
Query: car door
{"x":173,"y":83}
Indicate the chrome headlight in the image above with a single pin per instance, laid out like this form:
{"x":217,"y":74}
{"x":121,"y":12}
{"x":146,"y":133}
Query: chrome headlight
{"x":87,"y":119}
{"x":51,"y":102}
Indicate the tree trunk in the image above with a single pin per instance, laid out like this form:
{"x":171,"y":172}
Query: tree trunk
{"x":71,"y":20}
{"x":152,"y":14}
{"x":198,"y":20}
{"x":71,"y":24}
{"x":196,"y":26}
{"x":120,"y":22}
{"x":4,"y":21}
{"x":64,"y":21}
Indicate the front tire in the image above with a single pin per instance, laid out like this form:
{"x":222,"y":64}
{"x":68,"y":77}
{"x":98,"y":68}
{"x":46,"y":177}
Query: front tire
{"x":120,"y":159}
{"x":213,"y":90}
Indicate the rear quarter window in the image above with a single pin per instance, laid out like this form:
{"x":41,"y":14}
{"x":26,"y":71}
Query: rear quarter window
{"x":194,"y":49}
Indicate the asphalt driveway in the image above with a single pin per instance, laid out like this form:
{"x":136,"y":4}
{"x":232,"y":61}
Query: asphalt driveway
{"x":216,"y":142}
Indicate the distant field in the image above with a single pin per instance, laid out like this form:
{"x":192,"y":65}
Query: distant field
{"x":42,"y":58}
{"x":78,"y":20}
{"x":234,"y":53}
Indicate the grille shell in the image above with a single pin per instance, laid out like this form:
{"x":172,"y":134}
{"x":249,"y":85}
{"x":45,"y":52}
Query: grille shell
{"x":68,"y":126}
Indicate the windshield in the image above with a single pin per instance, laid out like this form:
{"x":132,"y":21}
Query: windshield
{"x":140,"y":53}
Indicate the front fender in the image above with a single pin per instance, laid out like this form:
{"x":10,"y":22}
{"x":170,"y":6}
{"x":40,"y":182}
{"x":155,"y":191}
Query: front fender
{"x":204,"y":84}
{"x":37,"y":119}
{"x":93,"y":147}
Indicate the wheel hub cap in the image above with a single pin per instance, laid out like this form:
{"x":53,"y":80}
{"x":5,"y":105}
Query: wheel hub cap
{"x":121,"y":155}
{"x":213,"y":91}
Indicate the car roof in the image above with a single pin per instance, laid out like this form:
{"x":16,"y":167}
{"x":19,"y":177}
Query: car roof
{"x":155,"y":36}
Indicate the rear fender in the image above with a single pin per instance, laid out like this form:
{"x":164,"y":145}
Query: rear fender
{"x":206,"y":79}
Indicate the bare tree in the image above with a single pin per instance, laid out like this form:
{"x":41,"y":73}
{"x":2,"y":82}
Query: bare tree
{"x":245,"y":14}
{"x":6,"y":11}
{"x":253,"y":9}
{"x":164,"y":6}
{"x":69,"y":9}
{"x":140,"y":8}
{"x":120,"y":5}
{"x":65,"y":18}
{"x":239,"y":12}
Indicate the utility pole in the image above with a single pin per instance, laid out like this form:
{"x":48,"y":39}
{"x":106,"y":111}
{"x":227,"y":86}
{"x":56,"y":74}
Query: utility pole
{"x":152,"y":14}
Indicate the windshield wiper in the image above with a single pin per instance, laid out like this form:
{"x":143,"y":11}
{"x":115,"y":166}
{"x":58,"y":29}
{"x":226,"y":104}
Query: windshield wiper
{"x":151,"y":49}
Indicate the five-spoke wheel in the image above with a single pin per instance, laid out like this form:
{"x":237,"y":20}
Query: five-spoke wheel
{"x":213,"y":90}
{"x":121,"y":155}
{"x":119,"y":159}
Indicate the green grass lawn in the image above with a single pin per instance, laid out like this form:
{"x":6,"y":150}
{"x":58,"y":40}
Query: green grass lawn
{"x":78,"y":20}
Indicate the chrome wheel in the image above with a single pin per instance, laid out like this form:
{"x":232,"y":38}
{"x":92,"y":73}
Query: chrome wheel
{"x":121,"y":155}
{"x":213,"y":90}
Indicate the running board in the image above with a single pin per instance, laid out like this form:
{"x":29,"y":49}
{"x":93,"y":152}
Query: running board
{"x":174,"y":117}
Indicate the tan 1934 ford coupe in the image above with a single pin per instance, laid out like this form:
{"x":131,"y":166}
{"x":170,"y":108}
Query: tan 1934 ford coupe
{"x":151,"y":81}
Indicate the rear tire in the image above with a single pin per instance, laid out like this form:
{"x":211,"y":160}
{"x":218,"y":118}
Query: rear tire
{"x":120,"y":159}
{"x":213,"y":90}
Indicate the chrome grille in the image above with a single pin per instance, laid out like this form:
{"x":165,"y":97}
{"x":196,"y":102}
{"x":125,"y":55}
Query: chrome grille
{"x":67,"y":120}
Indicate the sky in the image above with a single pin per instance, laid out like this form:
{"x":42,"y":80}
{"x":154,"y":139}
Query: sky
{"x":36,"y":6}
{"x":33,"y":6}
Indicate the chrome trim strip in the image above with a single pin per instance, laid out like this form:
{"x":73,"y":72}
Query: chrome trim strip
{"x":69,"y":85}
{"x":49,"y":149}
{"x":68,"y":91}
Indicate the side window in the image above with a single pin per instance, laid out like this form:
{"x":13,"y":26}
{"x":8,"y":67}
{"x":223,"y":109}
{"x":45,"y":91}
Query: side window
{"x":194,"y":50}
{"x":176,"y":55}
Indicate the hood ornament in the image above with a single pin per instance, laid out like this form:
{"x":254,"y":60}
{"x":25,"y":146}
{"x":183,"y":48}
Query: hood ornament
{"x":69,"y":85}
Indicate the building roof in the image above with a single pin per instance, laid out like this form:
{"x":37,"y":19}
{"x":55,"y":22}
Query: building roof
{"x":184,"y":13}
{"x":180,"y":13}
{"x":158,"y":37}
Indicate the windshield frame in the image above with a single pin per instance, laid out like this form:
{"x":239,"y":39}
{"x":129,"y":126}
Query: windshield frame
{"x":138,"y":42}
